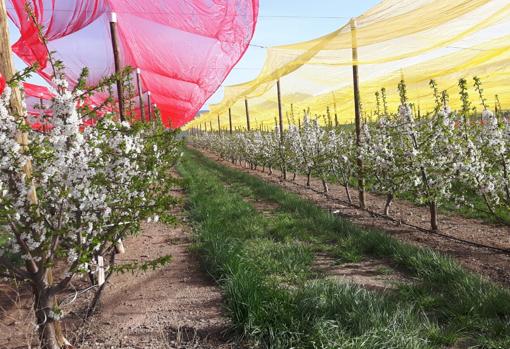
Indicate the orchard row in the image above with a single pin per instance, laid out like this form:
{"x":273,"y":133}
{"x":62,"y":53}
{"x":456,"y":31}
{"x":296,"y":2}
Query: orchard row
{"x":455,"y":157}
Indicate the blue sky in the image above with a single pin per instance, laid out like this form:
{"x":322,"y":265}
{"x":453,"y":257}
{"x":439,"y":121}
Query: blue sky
{"x":287,"y":21}
{"x":280,"y":22}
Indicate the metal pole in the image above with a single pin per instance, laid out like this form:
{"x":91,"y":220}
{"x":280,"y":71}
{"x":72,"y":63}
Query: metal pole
{"x":140,"y":93}
{"x":116,"y":58}
{"x":230,"y":119}
{"x":247,"y":114}
{"x":357,"y":110}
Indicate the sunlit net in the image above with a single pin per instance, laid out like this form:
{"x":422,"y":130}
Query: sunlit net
{"x":416,"y":40}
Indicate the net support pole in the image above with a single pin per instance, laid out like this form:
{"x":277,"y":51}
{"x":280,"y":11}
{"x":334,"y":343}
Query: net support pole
{"x":149,"y":105}
{"x":335,"y":109}
{"x":116,"y":58}
{"x":6,"y":63}
{"x":280,"y":119}
{"x":247,"y":114}
{"x":357,"y":111}
{"x":140,"y":93}
{"x":280,"y":112}
{"x":230,"y":119}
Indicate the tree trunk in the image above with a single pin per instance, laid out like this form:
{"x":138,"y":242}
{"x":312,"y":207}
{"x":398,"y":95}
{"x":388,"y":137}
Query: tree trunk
{"x":270,"y":170}
{"x":44,"y":302}
{"x":308,"y":176}
{"x":433,"y":216}
{"x":294,"y":177}
{"x":346,"y":186}
{"x":389,"y":201}
{"x":325,"y":185}
{"x":507,"y":189}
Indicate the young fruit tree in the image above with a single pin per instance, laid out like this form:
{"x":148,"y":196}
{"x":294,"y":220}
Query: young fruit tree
{"x":70,"y":194}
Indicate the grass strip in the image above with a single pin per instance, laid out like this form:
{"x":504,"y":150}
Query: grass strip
{"x":264,"y":266}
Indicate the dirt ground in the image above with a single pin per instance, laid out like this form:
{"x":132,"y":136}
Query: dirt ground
{"x":489,"y":263}
{"x":177,"y":306}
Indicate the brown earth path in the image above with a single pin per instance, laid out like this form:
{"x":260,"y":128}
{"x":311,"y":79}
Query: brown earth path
{"x":177,"y":306}
{"x":488,"y":263}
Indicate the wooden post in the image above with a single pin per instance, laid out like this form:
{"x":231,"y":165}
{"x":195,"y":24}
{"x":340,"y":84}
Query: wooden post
{"x":230,"y":119}
{"x":210,"y":125}
{"x":149,"y":105}
{"x":280,"y":117}
{"x":6,"y":63}
{"x":334,"y":109}
{"x":140,"y":93}
{"x":116,"y":58}
{"x":247,"y":114}
{"x":357,"y":110}
{"x":154,"y":109}
{"x":219,"y":125}
{"x":280,"y":113}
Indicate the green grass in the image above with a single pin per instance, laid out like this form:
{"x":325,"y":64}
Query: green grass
{"x":264,"y":266}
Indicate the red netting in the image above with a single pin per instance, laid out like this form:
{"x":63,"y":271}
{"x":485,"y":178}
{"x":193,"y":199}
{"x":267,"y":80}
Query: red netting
{"x":184,"y":48}
{"x":37,"y":100}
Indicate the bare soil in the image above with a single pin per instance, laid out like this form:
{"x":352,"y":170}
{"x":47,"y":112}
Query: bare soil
{"x":489,"y":263}
{"x":371,"y":273}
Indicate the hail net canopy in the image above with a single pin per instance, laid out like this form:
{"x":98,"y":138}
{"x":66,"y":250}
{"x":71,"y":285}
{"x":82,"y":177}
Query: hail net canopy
{"x":417,"y":40}
{"x":184,"y":48}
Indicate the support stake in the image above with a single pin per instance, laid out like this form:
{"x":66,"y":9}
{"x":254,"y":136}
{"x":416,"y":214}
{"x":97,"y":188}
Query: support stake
{"x":149,"y":105}
{"x":280,"y":113}
{"x":247,"y":114}
{"x":357,"y":110}
{"x":230,"y":119}
{"x":140,"y":93}
{"x":116,"y":58}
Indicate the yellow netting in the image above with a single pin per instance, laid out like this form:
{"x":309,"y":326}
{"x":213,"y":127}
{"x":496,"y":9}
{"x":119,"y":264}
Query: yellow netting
{"x":415,"y":39}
